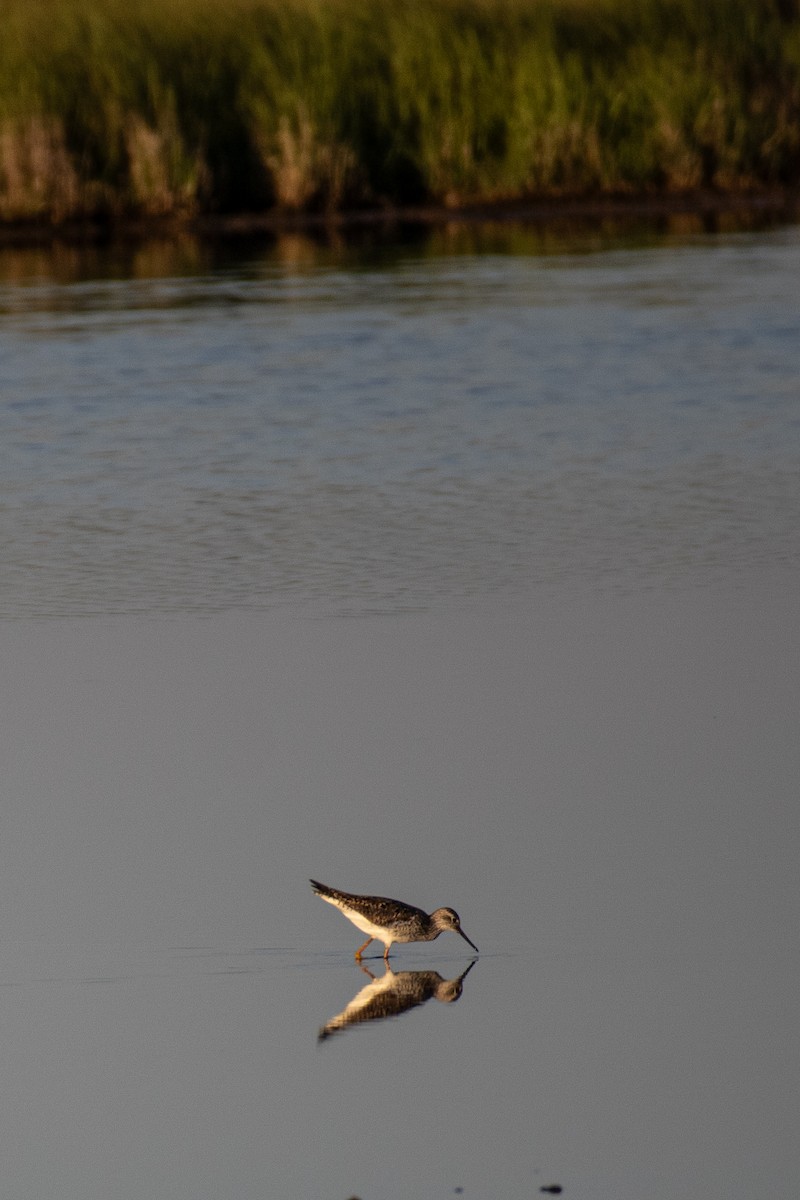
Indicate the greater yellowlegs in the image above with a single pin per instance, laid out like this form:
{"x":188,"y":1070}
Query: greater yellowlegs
{"x":389,"y":921}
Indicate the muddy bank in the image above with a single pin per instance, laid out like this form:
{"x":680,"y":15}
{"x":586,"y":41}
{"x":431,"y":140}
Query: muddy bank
{"x":696,"y":211}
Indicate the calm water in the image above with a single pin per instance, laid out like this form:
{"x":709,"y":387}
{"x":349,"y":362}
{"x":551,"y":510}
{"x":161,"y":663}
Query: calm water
{"x":465,"y":573}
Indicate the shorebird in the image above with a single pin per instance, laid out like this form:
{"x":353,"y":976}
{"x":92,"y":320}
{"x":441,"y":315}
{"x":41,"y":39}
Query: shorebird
{"x":390,"y":921}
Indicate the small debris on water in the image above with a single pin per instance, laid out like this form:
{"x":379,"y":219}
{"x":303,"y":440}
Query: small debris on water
{"x":555,"y":1189}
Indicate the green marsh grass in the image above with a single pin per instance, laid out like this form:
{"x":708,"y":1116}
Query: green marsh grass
{"x":143,"y":108}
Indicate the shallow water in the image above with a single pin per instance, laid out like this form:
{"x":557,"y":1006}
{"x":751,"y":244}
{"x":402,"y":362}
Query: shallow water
{"x":605,"y":791}
{"x":556,"y":498}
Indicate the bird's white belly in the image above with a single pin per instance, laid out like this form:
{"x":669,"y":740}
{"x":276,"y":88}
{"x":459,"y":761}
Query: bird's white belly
{"x":363,"y":923}
{"x":367,"y":926}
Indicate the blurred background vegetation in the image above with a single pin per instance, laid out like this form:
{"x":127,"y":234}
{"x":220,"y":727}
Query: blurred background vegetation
{"x":118,"y":108}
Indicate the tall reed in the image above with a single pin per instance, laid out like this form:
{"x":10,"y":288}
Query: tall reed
{"x":140,"y":107}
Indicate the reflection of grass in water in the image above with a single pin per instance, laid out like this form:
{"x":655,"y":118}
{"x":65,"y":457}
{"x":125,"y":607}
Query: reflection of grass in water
{"x":144,"y":107}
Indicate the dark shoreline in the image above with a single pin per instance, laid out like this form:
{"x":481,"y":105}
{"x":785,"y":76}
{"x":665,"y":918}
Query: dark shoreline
{"x":715,"y":210}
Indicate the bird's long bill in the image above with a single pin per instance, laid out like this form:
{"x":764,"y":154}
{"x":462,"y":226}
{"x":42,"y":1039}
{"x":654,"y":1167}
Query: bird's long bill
{"x":466,"y":939}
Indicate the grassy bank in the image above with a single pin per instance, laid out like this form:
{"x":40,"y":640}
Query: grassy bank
{"x":139,"y":107}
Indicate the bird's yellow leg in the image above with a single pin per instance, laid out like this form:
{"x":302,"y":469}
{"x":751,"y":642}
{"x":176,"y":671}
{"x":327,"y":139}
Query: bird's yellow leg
{"x":361,"y":949}
{"x":386,"y":952}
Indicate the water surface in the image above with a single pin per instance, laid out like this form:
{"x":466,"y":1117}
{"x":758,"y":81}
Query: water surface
{"x":466,"y":577}
{"x":371,"y":437}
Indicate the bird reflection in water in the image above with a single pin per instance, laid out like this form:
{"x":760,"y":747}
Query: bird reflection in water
{"x":392,"y":994}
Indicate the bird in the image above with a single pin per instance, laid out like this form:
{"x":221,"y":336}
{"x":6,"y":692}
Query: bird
{"x":390,"y":921}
